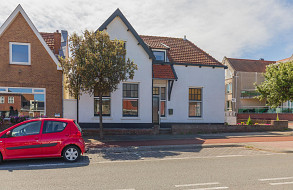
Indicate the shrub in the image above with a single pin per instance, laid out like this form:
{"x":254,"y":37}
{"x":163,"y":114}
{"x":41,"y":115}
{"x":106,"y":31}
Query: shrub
{"x":249,"y":122}
{"x":277,"y":117}
{"x":1,"y":120}
{"x":16,"y":119}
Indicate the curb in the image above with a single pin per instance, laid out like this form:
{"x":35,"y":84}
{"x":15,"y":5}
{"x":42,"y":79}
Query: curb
{"x":160,"y":147}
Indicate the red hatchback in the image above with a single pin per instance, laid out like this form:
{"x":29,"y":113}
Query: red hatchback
{"x":40,"y":138}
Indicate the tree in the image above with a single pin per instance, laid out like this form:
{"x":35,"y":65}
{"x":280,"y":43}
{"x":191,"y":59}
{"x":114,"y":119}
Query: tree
{"x":72,"y":68}
{"x":103,"y":65}
{"x":278,"y":85}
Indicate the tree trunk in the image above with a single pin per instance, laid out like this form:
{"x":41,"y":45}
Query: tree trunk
{"x":101,"y":117}
{"x":77,"y":107}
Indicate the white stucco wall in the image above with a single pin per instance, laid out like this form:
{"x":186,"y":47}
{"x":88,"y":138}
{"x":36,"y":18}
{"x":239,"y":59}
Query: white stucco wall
{"x":69,"y":106}
{"x":212,"y":82}
{"x":143,"y":76}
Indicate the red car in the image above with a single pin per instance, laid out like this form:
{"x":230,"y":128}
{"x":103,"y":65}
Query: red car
{"x":40,"y":138}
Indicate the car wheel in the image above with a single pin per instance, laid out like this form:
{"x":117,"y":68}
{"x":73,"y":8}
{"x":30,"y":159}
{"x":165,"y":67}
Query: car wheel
{"x":71,"y":154}
{"x":1,"y":158}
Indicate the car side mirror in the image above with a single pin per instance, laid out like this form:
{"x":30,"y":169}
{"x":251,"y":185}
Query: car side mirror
{"x":8,"y":134}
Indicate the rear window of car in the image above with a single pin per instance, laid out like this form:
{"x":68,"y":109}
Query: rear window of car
{"x":54,"y":126}
{"x":79,"y":128}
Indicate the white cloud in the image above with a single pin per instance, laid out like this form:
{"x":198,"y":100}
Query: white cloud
{"x":220,"y":27}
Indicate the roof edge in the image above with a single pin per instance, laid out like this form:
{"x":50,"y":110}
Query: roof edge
{"x":11,"y":18}
{"x":130,"y":28}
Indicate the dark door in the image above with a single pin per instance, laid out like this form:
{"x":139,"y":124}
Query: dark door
{"x":156,"y":110}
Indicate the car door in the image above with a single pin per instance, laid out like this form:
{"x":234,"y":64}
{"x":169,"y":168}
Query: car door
{"x":54,"y":133}
{"x":24,"y":141}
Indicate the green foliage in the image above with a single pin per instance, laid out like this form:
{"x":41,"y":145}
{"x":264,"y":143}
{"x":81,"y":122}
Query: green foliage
{"x":249,"y":122}
{"x":97,"y":64}
{"x":277,"y":119}
{"x":277,"y":87}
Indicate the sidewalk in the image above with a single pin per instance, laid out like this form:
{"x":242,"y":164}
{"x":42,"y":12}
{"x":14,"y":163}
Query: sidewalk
{"x":272,"y":141}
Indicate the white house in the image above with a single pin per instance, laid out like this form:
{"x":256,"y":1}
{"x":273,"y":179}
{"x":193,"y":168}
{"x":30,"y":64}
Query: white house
{"x":176,"y":82}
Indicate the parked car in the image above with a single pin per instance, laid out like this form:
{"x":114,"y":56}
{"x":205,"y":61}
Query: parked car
{"x":41,"y":138}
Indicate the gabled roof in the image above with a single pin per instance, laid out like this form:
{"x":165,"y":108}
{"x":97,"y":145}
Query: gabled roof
{"x":181,"y":51}
{"x":11,"y":18}
{"x":164,"y":72}
{"x":285,"y":60}
{"x":130,"y":28}
{"x":249,"y":65}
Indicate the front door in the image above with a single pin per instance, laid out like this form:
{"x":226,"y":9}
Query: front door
{"x":156,"y":118}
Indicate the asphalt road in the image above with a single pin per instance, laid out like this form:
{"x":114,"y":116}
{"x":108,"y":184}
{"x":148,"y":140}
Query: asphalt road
{"x":206,"y":169}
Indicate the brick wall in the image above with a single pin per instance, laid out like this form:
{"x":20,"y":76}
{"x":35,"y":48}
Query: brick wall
{"x":42,"y":73}
{"x":266,"y":116}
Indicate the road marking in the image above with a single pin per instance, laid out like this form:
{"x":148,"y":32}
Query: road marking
{"x":210,"y":188}
{"x":183,"y":158}
{"x":197,"y":184}
{"x":125,"y":189}
{"x":271,"y":179}
{"x":282,"y":183}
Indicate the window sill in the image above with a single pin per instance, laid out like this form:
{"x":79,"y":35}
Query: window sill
{"x":19,"y":63}
{"x":130,"y":118}
{"x":104,"y":118}
{"x":195,"y":118}
{"x":163,"y":118}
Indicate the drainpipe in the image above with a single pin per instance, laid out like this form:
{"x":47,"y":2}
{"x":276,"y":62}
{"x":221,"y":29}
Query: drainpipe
{"x":235,"y":95}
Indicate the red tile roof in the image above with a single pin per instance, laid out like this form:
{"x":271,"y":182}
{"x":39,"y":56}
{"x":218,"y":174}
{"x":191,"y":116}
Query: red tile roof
{"x":49,"y":39}
{"x":180,"y":50}
{"x":53,"y":40}
{"x":248,"y":65}
{"x":163,"y":72}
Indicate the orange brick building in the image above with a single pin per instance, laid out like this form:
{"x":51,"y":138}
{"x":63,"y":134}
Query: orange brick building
{"x":29,"y":67}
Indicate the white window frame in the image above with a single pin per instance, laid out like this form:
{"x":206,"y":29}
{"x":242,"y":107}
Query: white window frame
{"x":165,"y":54}
{"x":138,"y":102}
{"x":10,"y":100}
{"x":2,"y":99}
{"x":33,"y":92}
{"x":103,"y":98}
{"x":10,"y":53}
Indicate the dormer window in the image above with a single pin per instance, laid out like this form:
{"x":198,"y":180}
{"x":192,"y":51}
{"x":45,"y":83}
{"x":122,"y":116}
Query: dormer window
{"x":160,"y":55}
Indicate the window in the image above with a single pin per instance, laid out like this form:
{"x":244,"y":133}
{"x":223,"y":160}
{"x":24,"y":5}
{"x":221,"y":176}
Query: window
{"x":20,"y":53}
{"x":195,"y":102}
{"x":229,"y":105}
{"x":2,"y":100}
{"x":229,"y":88}
{"x":161,"y":93}
{"x":23,"y":101}
{"x":160,"y":55}
{"x":163,"y":102}
{"x":53,"y":126}
{"x":10,"y":100}
{"x":130,"y":100}
{"x":106,"y":104}
{"x":31,"y":128}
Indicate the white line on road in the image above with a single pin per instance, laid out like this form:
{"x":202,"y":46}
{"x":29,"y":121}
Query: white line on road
{"x":197,"y":184}
{"x":125,"y":189}
{"x":183,"y":158}
{"x":272,"y":179}
{"x":282,"y":183}
{"x":210,"y":188}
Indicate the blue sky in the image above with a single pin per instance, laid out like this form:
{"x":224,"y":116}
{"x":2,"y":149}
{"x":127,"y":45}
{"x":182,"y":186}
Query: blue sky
{"x":250,"y":29}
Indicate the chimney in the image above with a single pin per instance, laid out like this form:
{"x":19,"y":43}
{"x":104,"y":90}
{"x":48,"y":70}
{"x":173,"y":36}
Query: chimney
{"x":184,"y":38}
{"x":57,"y":42}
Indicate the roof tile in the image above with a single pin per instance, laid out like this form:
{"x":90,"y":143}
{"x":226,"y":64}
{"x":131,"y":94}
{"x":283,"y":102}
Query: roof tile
{"x":249,"y":65}
{"x":163,"y":72}
{"x":180,"y":50}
